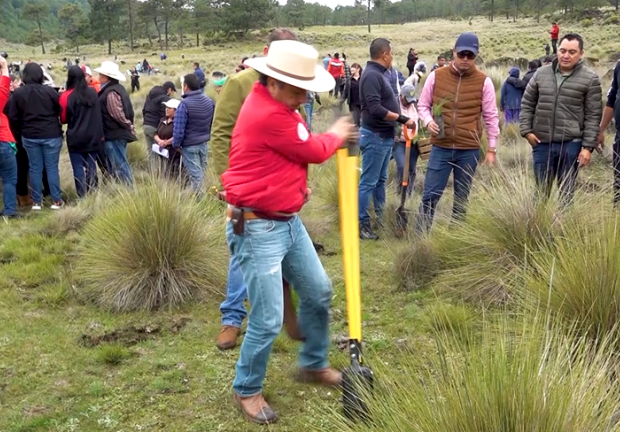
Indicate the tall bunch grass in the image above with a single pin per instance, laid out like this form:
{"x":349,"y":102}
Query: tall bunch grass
{"x":578,"y":278}
{"x":151,"y":248}
{"x":514,"y":378}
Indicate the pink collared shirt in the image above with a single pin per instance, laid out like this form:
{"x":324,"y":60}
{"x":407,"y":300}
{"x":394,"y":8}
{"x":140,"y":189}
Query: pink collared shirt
{"x":489,"y":107}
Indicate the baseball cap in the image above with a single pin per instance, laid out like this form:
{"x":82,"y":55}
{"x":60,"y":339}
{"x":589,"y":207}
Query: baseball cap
{"x":172,"y":103}
{"x":87,"y":70}
{"x":169,"y":85}
{"x":408,"y":92}
{"x":467,"y":42}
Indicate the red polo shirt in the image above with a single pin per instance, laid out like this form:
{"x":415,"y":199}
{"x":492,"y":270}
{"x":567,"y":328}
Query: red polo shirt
{"x":269,"y":155}
{"x":5,"y":93}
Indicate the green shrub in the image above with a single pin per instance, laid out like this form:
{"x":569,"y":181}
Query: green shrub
{"x":517,"y":379}
{"x":150,"y":248}
{"x":416,"y":265}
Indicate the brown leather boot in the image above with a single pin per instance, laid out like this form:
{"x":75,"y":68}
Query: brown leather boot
{"x":228,"y":337}
{"x":256,"y":409}
{"x":24,"y":201}
{"x":290,"y":314}
{"x":326,"y":376}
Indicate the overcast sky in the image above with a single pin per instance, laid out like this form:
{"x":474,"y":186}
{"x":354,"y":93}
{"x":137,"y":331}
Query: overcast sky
{"x":330,"y":3}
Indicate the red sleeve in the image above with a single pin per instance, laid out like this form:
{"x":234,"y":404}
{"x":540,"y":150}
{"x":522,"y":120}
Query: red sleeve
{"x":342,"y":74}
{"x":289,"y":136}
{"x":64,"y":98}
{"x":5,"y":91}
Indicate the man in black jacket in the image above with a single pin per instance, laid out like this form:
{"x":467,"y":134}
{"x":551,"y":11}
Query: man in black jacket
{"x":380,"y":113}
{"x":153,"y":111}
{"x":521,"y":84}
{"x":117,"y":114}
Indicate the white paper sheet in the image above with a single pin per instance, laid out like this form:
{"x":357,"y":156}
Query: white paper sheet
{"x":162,"y":152}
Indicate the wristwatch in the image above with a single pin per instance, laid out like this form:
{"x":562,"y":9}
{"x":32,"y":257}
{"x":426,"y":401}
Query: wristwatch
{"x":492,"y":150}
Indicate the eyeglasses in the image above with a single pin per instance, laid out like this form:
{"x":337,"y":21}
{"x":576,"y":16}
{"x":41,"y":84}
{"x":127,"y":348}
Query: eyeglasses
{"x":466,"y":54}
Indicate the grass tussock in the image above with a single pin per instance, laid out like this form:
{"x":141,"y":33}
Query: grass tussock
{"x":578,"y":279}
{"x":150,"y":248}
{"x":515,"y":378}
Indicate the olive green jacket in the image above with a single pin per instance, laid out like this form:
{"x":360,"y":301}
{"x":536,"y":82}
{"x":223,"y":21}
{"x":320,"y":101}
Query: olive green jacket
{"x":236,"y":88}
{"x":562,"y":111}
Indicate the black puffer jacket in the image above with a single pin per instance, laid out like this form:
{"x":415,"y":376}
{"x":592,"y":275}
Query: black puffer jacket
{"x":570,"y":111}
{"x":154,"y":108}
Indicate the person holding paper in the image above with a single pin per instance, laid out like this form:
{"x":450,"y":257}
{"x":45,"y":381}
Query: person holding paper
{"x":163,"y":137}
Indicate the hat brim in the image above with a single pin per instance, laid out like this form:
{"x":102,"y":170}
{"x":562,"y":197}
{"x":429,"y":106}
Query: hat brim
{"x":323,"y":81}
{"x":465,"y":48}
{"x":117,"y":76}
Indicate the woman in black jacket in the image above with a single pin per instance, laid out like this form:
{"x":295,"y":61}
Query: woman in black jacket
{"x":352,"y":93}
{"x":81,"y":111}
{"x":34,"y":112}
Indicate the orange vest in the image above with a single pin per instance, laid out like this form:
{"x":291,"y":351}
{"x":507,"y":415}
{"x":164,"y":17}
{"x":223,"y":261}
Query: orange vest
{"x":460,"y":99}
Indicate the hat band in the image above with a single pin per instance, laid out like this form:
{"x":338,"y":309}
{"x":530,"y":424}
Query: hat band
{"x":290,"y":75}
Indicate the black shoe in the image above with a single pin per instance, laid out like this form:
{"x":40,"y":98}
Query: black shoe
{"x":366,"y":233}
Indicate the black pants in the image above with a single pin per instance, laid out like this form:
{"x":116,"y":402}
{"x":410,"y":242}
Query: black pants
{"x":336,"y":90}
{"x":356,"y":112}
{"x":410,"y":69}
{"x":135,"y":84}
{"x":554,"y":45}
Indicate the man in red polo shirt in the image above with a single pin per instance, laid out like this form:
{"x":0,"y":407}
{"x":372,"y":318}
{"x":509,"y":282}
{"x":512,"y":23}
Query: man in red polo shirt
{"x":265,"y":188}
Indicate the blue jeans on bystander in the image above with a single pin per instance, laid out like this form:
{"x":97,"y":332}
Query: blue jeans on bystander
{"x":376,"y":154}
{"x":232,"y":308}
{"x":195,"y":163}
{"x":8,"y":174}
{"x":84,"y":171}
{"x":44,"y":153}
{"x":117,"y":156}
{"x":441,"y":164}
{"x":557,"y":162}
{"x":266,"y":251}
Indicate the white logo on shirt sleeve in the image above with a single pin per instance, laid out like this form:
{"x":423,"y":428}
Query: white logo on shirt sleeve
{"x":302,"y":132}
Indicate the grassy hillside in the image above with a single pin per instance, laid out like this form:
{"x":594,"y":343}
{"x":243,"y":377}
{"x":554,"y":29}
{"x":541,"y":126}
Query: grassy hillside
{"x":471,"y":329}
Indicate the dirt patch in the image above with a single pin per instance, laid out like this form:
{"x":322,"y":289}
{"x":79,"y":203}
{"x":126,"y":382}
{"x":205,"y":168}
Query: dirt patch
{"x":133,"y":334}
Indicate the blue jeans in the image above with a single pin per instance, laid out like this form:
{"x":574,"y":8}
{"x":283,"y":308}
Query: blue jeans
{"x":557,"y":161}
{"x":399,"y":157}
{"x":309,"y":108}
{"x":8,"y":174}
{"x":195,"y":163}
{"x":376,"y":153}
{"x":232,"y":308}
{"x":84,"y":171}
{"x":117,"y":156}
{"x":44,"y":153}
{"x":441,"y":164}
{"x":266,"y":251}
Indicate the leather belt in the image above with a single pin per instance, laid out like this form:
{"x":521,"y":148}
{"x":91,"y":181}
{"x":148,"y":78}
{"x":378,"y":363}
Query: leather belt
{"x":246,"y":215}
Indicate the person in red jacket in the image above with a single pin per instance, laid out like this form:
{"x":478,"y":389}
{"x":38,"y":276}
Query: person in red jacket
{"x":555,"y":34}
{"x":336,"y":68}
{"x":8,"y":163}
{"x":266,"y":187}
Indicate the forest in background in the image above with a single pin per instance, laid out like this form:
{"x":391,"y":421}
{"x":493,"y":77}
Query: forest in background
{"x":177,"y":23}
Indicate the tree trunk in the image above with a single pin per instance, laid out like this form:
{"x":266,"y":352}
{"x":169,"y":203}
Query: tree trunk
{"x":368,"y":16}
{"x":109,"y":46}
{"x":538,"y":11}
{"x":197,"y":39}
{"x":166,"y":32}
{"x":181,"y":34}
{"x":41,"y":37}
{"x":158,"y":32}
{"x":148,"y":34}
{"x":130,"y":10}
{"x":492,"y":10}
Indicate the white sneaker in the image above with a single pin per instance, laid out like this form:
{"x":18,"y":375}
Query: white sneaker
{"x":57,"y":205}
{"x":36,"y":207}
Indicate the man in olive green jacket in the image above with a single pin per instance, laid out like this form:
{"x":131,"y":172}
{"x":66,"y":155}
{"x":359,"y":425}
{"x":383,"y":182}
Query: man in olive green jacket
{"x":231,"y":98}
{"x":560,"y":115}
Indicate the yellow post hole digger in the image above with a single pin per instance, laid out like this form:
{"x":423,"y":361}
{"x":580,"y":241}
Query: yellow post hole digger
{"x":357,"y":380}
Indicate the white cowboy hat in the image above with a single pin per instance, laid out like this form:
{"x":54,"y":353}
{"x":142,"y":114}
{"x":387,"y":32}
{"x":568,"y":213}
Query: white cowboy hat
{"x":172,"y":103}
{"x":110,"y":69}
{"x":294,"y":63}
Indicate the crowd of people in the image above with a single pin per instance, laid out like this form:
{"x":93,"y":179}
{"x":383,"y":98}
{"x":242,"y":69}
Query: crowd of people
{"x":259,"y":133}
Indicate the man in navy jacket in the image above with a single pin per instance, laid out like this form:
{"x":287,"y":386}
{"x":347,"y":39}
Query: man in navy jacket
{"x":192,"y":130}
